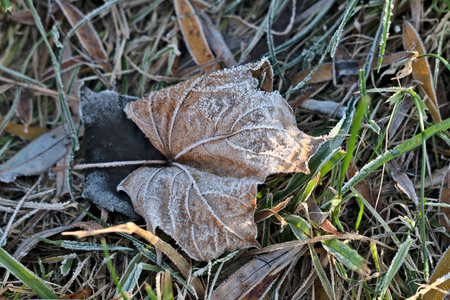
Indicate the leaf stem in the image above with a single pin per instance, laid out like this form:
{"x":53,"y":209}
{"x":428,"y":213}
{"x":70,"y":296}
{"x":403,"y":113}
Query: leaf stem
{"x":119,"y":164}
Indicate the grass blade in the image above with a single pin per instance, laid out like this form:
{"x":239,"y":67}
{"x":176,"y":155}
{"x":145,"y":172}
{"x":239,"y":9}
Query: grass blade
{"x":321,"y":274}
{"x":359,"y":115}
{"x":26,"y":276}
{"x":389,"y":5}
{"x":396,"y":263}
{"x":346,"y":255}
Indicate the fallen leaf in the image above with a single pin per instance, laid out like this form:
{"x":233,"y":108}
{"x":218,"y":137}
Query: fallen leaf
{"x":29,"y":133}
{"x":349,"y":67}
{"x":442,"y":268}
{"x":421,"y":69}
{"x":36,"y":157}
{"x":222,"y":137}
{"x":254,"y":279}
{"x":444,"y":197}
{"x":402,"y":182}
{"x":81,"y":294}
{"x":192,"y":31}
{"x":23,"y":17}
{"x":86,"y":34}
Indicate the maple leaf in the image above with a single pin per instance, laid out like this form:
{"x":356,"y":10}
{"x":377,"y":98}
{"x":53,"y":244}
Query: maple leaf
{"x":223,"y":134}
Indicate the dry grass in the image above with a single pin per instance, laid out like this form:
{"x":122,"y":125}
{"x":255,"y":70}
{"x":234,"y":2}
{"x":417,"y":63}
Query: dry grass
{"x":146,"y":52}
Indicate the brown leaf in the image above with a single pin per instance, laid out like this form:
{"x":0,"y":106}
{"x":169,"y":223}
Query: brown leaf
{"x":254,"y":279}
{"x":192,"y":31}
{"x":421,"y":69}
{"x":29,"y":133}
{"x":444,"y":197}
{"x":223,"y":136}
{"x":23,"y":17}
{"x":86,"y":34}
{"x":81,"y":294}
{"x":442,"y":268}
{"x":345,"y":67}
{"x":402,"y":182}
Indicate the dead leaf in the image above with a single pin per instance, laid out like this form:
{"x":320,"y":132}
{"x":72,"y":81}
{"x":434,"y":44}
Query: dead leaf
{"x":192,"y":31}
{"x":86,"y":34}
{"x":36,"y":157}
{"x":402,"y":182}
{"x":421,"y":69}
{"x":346,"y":67}
{"x":23,"y":17}
{"x":254,"y":279}
{"x":222,"y":136}
{"x":217,"y":42}
{"x":81,"y":294}
{"x":442,"y":268}
{"x":29,"y":133}
{"x":444,"y":197}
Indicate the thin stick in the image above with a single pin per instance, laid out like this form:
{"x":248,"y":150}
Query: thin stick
{"x":119,"y":164}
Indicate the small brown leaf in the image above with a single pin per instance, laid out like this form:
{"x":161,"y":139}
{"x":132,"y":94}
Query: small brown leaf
{"x":403,"y":183}
{"x":442,"y":268}
{"x":444,"y":197}
{"x":223,"y":136}
{"x":23,"y":17}
{"x":81,"y":294}
{"x":192,"y":31}
{"x":254,"y":279}
{"x":421,"y":69}
{"x":29,"y":133}
{"x":86,"y":34}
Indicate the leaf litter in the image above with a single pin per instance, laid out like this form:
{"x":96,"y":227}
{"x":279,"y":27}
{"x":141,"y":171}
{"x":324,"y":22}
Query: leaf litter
{"x":222,"y":137}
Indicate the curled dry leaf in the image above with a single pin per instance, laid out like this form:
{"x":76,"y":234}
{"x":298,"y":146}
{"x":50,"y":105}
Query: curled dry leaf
{"x":222,"y":136}
{"x":421,"y":69}
{"x":86,"y":34}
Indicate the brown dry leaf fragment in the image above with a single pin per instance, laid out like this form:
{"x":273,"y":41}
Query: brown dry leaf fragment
{"x":86,"y":34}
{"x":402,"y":182}
{"x":442,"y":268}
{"x":29,"y":133}
{"x":81,"y":294}
{"x":23,"y":17}
{"x":254,"y":279}
{"x":192,"y":31}
{"x":67,"y":65}
{"x":421,"y":69}
{"x":225,"y":136}
{"x":444,"y":197}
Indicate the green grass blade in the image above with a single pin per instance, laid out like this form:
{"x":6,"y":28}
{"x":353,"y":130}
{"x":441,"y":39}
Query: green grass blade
{"x":129,"y":279}
{"x":321,"y":273}
{"x":421,"y":107}
{"x":395,"y":152}
{"x":26,"y":276}
{"x":112,"y":270}
{"x":346,"y":255}
{"x":7,"y":5}
{"x":324,"y":154}
{"x":388,"y":6}
{"x":396,"y":263}
{"x":359,"y":116}
{"x":299,"y":226}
